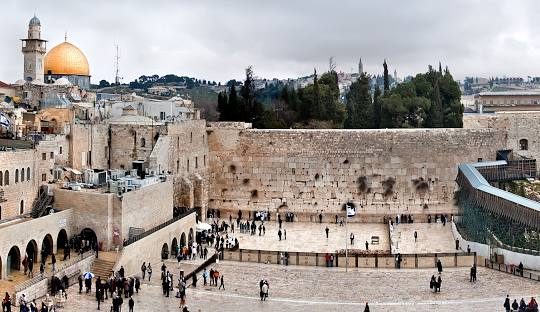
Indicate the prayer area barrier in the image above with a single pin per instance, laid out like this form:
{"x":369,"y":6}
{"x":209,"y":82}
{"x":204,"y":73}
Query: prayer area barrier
{"x":358,"y":260}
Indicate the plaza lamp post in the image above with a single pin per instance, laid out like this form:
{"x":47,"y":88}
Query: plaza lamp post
{"x":350,"y":211}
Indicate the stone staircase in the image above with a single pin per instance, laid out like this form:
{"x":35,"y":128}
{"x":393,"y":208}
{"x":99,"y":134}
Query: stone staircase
{"x":103,"y":266}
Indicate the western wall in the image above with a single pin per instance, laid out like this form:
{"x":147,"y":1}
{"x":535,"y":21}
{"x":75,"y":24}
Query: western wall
{"x":383,"y":172}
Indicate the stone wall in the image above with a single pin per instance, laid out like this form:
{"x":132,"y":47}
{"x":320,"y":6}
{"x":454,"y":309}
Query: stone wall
{"x":41,"y":288}
{"x":383,"y":172}
{"x":20,"y":233}
{"x":131,"y":142}
{"x":22,"y":193}
{"x":91,"y":210}
{"x":518,"y":126}
{"x":111,"y":216}
{"x":89,"y":142}
{"x":189,"y":161}
{"x":147,"y":207}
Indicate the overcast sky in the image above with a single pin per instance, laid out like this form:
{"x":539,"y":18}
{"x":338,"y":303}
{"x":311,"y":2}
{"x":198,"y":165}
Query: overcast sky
{"x":216,"y":40}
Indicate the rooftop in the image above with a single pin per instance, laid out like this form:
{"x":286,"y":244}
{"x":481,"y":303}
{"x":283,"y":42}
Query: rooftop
{"x":510,"y":93}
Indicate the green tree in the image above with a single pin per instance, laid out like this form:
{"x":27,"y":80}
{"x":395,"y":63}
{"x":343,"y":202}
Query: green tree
{"x":435,"y":115}
{"x":104,"y":84}
{"x":317,"y":109}
{"x":223,"y":107}
{"x":377,"y":107}
{"x":386,"y":81}
{"x":359,"y":106}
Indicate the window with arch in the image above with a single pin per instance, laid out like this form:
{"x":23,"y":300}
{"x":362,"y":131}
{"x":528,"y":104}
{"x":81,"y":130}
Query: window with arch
{"x":523,"y":144}
{"x":1,"y":178}
{"x":191,"y":137}
{"x":6,"y":177}
{"x":21,"y":208}
{"x":22,"y":175}
{"x":16,"y":175}
{"x":28,"y":174}
{"x":143,"y":142}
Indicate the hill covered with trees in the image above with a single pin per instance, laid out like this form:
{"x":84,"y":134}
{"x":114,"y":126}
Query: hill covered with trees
{"x":428,"y":100}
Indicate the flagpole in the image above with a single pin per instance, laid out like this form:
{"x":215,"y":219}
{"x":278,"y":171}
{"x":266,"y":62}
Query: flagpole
{"x":346,"y":238}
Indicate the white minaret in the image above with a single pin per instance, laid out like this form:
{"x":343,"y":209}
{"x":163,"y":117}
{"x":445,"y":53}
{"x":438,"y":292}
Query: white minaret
{"x":34,"y":49}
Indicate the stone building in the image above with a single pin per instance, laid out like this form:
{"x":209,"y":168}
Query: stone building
{"x":507,"y":101}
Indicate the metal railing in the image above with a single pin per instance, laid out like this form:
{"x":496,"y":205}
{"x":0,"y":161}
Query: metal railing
{"x":157,"y":228}
{"x":39,"y":277}
{"x":511,"y":269}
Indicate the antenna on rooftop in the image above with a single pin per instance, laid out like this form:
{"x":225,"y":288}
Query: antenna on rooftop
{"x":332,"y":64}
{"x":117,"y":77}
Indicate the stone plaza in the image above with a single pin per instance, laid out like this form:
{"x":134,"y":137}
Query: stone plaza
{"x":295,"y":288}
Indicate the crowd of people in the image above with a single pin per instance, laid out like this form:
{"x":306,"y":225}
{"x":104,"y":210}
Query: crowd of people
{"x":532,"y":306}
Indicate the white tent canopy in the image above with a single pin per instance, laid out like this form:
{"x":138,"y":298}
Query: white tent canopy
{"x":201,"y":226}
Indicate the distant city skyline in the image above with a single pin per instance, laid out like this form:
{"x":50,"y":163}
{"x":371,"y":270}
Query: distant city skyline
{"x":282,"y":39}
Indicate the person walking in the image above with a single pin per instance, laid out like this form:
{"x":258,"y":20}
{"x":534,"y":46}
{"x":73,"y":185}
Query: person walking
{"x":143,"y":270}
{"x":473,"y":274}
{"x":439,"y":282}
{"x":80,"y":279}
{"x":515,"y":305}
{"x":205,"y":276}
{"x":327,"y":230}
{"x":366,"y":308}
{"x":131,"y":304}
{"x":53,"y":261}
{"x":284,"y":233}
{"x":506,"y":304}
{"x":439,"y":266}
{"x":367,"y":245}
{"x":320,"y":217}
{"x":264,"y":291}
{"x":279,"y":234}
{"x":352,"y":238}
{"x":415,"y":236}
{"x":6,"y":303}
{"x":149,"y":271}
{"x":221,"y":284}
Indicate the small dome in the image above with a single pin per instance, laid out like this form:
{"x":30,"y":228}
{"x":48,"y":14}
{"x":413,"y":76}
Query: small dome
{"x":34,"y":22}
{"x":66,"y":59}
{"x":62,"y":82}
{"x":19,"y":82}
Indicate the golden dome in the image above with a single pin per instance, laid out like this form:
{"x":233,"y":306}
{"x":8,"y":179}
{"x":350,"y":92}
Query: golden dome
{"x":66,"y":59}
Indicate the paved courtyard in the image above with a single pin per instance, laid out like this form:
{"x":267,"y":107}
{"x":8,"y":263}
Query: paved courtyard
{"x":295,"y":288}
{"x":432,"y":238}
{"x":311,"y":237}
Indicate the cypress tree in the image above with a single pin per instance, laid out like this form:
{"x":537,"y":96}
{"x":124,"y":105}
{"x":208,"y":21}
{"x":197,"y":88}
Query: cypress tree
{"x":377,"y":107}
{"x":435,"y":116}
{"x":359,"y":106}
{"x":386,"y":81}
{"x":222,"y":106}
{"x":234,"y":107}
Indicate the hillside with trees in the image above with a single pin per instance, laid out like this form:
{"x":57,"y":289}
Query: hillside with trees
{"x":428,"y":100}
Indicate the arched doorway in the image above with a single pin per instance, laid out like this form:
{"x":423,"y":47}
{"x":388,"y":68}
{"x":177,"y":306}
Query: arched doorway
{"x":32,"y":251}
{"x":61,"y":242}
{"x":190,"y":237}
{"x":165,"y":252}
{"x":14,"y":259}
{"x":183,"y":240}
{"x":46,"y":246}
{"x":174,"y":247}
{"x":88,"y":239}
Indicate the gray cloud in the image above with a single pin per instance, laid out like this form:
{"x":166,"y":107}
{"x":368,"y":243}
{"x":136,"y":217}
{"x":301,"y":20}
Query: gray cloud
{"x":216,"y":39}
